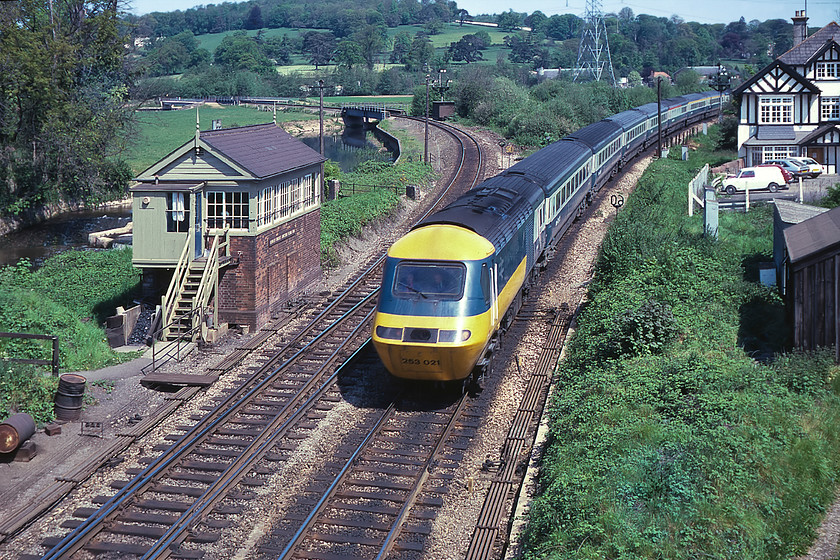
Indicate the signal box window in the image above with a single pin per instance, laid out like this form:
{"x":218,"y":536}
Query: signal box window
{"x":177,"y":212}
{"x":227,"y":209}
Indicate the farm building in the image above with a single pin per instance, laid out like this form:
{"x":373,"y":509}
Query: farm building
{"x":227,"y":227}
{"x":813,"y":269}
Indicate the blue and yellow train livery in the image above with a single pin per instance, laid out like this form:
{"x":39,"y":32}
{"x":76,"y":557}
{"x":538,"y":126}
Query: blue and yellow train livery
{"x":456,"y":279}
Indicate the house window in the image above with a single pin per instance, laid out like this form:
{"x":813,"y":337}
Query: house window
{"x":760,"y":154}
{"x":830,"y":108}
{"x":280,"y":201}
{"x":828,"y":70}
{"x":227,"y":209}
{"x":177,"y":212}
{"x":775,"y":110}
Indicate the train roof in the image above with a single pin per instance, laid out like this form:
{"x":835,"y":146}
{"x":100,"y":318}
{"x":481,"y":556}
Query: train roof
{"x":648,"y":108}
{"x":552,"y":164}
{"x":495,"y":209}
{"x":596,"y":135}
{"x":694,"y":96}
{"x":628,"y":119}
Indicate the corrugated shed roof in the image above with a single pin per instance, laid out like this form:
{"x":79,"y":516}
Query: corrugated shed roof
{"x":813,"y":235}
{"x":801,"y":54}
{"x":263,"y":149}
{"x":794,"y":212}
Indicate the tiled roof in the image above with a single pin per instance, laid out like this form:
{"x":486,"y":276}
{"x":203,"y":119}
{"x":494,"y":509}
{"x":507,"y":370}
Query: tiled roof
{"x":813,"y":235}
{"x":263,"y":149}
{"x":802,"y":53}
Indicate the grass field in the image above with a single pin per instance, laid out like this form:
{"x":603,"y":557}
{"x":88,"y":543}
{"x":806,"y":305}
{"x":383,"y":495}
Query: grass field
{"x":161,"y":132}
{"x":451,"y":33}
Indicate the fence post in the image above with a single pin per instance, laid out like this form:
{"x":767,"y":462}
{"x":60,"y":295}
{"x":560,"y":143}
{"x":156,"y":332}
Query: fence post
{"x":55,"y":356}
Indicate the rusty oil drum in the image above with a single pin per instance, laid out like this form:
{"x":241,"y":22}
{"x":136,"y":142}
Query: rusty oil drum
{"x":15,"y":430}
{"x":70,"y":396}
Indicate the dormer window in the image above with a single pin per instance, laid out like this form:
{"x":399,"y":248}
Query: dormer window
{"x":828,"y":70}
{"x":775,"y":110}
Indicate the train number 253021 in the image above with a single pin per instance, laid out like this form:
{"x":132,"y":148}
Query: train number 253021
{"x":416,"y":362}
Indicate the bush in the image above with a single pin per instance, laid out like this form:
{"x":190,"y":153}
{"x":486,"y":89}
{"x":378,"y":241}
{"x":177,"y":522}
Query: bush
{"x":668,"y":440}
{"x":23,"y":388}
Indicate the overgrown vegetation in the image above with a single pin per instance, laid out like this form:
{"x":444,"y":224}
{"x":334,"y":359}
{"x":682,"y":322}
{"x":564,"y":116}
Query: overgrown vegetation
{"x":63,"y":111}
{"x":69,"y":297}
{"x":378,"y":187}
{"x":668,"y":439}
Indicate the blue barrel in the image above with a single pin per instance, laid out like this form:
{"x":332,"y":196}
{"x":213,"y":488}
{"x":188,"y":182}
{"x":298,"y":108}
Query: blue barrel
{"x":69,"y":397}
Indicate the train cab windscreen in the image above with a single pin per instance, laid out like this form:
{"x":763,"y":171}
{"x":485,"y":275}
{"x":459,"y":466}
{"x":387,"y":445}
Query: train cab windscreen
{"x":436,"y":281}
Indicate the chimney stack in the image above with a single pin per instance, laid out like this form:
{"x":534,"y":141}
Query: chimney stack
{"x":800,"y":27}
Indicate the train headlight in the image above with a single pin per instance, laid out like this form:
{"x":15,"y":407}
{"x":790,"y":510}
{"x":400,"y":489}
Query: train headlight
{"x":392,"y":333}
{"x":452,"y":336}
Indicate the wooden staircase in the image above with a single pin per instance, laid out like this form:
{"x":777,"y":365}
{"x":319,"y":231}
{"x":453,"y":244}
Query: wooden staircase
{"x":192,"y":294}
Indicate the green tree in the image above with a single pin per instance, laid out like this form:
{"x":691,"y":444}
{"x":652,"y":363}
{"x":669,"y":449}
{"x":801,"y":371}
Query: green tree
{"x":371,"y":40}
{"x":241,"y":52}
{"x":509,"y":21}
{"x":421,"y":53}
{"x":467,"y":49}
{"x":319,"y":46}
{"x":349,"y":53}
{"x":63,"y":112}
{"x":402,"y":46}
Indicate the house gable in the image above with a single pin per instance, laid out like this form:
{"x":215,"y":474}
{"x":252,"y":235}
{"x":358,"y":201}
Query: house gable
{"x":779,"y":78}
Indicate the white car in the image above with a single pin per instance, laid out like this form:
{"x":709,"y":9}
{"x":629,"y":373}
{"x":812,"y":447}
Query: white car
{"x":814,"y":167}
{"x":755,"y":178}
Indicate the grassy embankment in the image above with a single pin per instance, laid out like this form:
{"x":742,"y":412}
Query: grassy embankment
{"x":69,"y":297}
{"x":669,"y":439}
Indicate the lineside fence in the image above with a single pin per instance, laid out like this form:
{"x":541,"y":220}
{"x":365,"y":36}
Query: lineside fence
{"x":52,"y":362}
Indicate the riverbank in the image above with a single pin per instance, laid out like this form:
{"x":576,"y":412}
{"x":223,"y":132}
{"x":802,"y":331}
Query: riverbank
{"x":43,"y":214}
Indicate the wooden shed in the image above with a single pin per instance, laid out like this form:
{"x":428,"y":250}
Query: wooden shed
{"x":787,"y":213}
{"x":229,"y":225}
{"x":813,"y":269}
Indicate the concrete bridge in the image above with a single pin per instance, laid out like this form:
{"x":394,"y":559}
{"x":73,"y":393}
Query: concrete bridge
{"x":359,"y":115}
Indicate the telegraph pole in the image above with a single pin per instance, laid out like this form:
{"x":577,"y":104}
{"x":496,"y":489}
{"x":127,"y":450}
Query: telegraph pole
{"x":426,"y":141}
{"x":321,"y":87}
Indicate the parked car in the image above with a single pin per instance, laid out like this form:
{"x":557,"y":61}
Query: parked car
{"x":814,"y":167}
{"x":794,"y":168}
{"x":785,"y":173}
{"x":769,"y":177}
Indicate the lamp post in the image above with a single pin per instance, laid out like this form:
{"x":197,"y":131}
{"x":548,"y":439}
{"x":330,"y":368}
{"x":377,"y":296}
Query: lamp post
{"x":426,"y":141}
{"x":720,"y":82}
{"x":321,"y":115}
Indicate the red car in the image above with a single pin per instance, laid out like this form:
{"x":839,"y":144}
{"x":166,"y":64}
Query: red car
{"x":785,"y":173}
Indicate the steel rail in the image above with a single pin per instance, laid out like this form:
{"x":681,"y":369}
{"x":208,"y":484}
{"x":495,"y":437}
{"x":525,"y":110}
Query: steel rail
{"x":253,"y":453}
{"x":391,"y":537}
{"x":92,"y":525}
{"x":408,"y":502}
{"x":310,"y":519}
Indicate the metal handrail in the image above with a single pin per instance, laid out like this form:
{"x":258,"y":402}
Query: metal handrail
{"x":158,"y":334}
{"x":179,"y":276}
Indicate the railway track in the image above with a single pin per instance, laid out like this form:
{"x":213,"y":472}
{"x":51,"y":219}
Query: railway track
{"x":218,"y":459}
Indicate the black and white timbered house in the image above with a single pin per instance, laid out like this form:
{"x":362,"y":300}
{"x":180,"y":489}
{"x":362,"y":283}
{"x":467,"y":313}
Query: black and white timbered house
{"x":792,"y":107}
